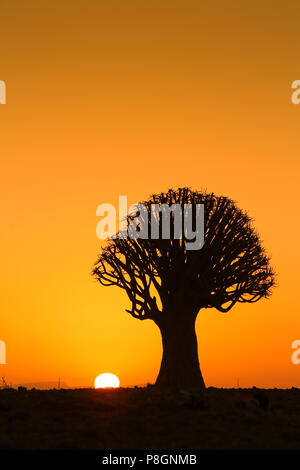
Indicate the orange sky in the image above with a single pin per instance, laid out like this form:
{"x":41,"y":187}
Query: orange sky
{"x":113,"y":98}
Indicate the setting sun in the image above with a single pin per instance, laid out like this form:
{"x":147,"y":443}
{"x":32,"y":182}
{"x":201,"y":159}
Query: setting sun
{"x":107,"y":380}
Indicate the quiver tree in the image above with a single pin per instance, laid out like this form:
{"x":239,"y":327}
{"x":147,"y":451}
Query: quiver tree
{"x":169,"y":284}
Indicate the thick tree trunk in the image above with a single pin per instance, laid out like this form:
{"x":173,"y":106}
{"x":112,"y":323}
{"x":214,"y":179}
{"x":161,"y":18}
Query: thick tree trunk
{"x":180,"y":365}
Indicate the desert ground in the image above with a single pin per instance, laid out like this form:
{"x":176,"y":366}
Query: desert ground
{"x":144,"y":418}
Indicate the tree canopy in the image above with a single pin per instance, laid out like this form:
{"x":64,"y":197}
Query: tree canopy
{"x":162,"y":275}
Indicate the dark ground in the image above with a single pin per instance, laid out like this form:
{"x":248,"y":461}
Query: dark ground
{"x":142,"y":418}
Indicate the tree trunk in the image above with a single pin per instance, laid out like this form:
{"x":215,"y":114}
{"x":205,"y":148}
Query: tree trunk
{"x":180,"y":365}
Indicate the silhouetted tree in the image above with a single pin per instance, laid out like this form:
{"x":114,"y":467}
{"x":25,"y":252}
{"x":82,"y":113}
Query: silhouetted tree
{"x":169,"y":284}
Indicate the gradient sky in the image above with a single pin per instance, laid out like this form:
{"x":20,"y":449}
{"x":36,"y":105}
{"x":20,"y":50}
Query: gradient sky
{"x":109,"y":98}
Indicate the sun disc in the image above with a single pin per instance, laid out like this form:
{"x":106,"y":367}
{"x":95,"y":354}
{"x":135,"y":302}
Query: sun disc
{"x":107,"y":380}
